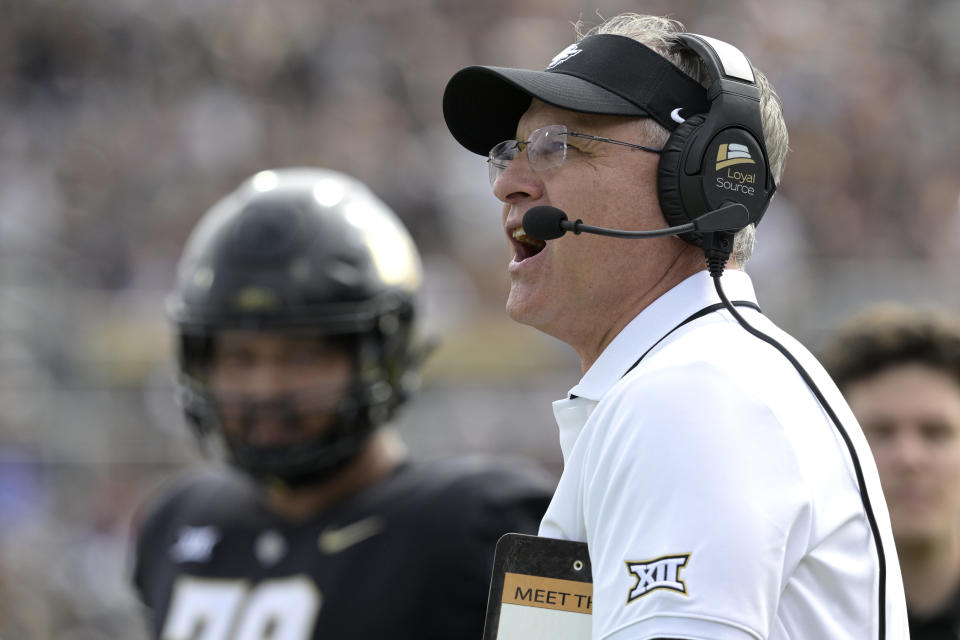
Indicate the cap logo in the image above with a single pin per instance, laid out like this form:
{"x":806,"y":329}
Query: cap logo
{"x":731,"y":154}
{"x":564,"y":55}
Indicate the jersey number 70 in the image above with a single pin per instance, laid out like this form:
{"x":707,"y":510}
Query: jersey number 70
{"x":215,"y":609}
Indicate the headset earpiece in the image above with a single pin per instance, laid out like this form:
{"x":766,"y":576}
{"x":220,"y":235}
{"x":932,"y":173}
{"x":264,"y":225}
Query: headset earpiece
{"x":717,"y":157}
{"x":669,"y":176}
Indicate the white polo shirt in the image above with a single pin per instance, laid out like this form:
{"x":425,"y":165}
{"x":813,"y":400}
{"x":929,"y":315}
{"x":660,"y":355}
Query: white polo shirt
{"x":718,"y":500}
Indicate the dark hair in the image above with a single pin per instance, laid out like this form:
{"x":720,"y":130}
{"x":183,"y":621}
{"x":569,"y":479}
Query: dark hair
{"x":886,"y":336}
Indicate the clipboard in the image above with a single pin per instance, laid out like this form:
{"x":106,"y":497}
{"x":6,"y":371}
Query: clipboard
{"x":541,"y":589}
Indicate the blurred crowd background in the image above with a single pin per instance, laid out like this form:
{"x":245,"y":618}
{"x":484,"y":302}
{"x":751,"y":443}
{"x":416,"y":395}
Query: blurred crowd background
{"x":121,"y":121}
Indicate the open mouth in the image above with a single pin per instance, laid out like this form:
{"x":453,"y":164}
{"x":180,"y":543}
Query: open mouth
{"x":524,"y":246}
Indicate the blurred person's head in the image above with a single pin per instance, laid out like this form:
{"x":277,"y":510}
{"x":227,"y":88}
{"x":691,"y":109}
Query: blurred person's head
{"x":899,"y":370}
{"x":294,"y":309}
{"x":619,"y":131}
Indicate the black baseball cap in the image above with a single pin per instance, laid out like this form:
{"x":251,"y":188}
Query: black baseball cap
{"x":604,"y":74}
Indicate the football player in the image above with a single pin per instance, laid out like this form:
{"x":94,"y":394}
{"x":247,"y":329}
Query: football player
{"x":294,"y":309}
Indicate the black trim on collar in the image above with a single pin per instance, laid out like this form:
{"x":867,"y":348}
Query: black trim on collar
{"x":699,"y":314}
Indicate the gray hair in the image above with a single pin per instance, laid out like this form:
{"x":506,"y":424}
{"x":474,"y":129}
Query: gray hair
{"x":660,"y":34}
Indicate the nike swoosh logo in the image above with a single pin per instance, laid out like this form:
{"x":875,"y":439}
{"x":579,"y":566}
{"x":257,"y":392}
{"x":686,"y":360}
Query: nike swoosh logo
{"x":334,"y":540}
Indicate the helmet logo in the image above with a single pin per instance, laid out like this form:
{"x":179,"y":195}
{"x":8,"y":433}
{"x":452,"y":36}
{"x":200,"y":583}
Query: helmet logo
{"x":256,"y":299}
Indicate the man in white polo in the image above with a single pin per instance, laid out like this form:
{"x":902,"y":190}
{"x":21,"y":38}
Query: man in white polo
{"x":718,"y":496}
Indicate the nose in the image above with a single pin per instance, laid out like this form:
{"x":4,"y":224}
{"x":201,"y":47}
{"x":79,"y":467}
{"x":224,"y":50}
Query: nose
{"x":261,"y":382}
{"x":909,"y":451}
{"x":518,"y":182}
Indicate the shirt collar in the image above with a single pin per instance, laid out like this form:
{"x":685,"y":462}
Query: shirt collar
{"x":661,"y":316}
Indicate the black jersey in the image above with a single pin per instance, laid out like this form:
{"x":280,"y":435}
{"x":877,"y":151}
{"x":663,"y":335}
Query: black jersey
{"x":943,"y":625}
{"x":407,"y":558}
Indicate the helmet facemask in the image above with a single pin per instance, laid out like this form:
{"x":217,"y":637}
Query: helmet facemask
{"x":297,"y":435}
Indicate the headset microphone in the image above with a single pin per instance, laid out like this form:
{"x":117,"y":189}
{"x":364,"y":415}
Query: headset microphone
{"x":549,"y":223}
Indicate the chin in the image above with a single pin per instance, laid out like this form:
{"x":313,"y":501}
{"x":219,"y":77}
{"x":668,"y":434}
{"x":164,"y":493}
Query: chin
{"x":524,"y":310}
{"x":518,"y":314}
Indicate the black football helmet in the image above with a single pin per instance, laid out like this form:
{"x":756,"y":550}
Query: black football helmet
{"x":304,"y":250}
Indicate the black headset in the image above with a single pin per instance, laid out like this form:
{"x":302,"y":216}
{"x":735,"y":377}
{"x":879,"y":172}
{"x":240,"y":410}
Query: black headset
{"x":717,"y":157}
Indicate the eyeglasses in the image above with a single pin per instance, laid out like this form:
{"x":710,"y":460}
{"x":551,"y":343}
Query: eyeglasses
{"x":546,"y":149}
